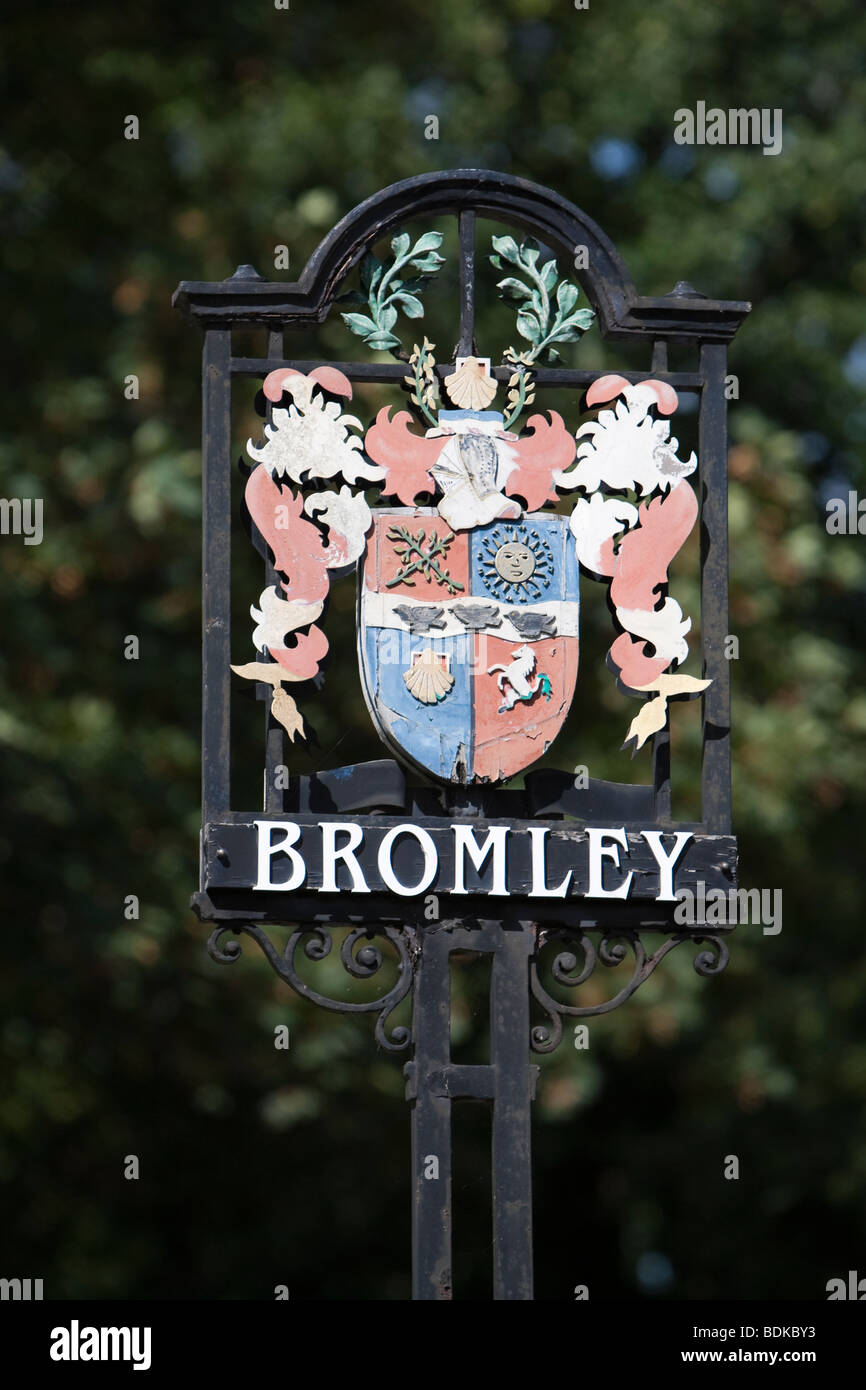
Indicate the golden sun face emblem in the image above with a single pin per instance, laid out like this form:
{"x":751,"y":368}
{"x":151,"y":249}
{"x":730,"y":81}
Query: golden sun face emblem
{"x":515,"y":563}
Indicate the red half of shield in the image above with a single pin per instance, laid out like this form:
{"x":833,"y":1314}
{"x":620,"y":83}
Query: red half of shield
{"x":521,"y":704}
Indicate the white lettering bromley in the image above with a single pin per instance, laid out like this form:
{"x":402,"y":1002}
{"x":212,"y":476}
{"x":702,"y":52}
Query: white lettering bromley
{"x":498,"y":860}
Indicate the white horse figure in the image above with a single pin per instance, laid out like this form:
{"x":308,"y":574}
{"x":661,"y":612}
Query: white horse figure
{"x":519,"y":678}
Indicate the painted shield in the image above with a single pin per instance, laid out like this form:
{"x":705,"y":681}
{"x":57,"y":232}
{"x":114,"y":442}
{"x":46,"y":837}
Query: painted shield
{"x":468,"y":640}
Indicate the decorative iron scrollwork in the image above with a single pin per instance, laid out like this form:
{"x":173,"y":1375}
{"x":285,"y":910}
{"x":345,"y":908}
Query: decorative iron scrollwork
{"x":362,"y":962}
{"x":612,"y":950}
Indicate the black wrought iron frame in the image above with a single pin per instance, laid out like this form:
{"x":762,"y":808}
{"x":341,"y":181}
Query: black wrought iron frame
{"x":600,"y":934}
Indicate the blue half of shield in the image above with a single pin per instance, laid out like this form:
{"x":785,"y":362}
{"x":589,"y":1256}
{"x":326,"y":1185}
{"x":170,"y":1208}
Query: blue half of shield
{"x":437,"y":734}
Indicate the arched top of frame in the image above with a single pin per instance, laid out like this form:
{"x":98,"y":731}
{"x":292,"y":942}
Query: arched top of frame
{"x":248,"y":298}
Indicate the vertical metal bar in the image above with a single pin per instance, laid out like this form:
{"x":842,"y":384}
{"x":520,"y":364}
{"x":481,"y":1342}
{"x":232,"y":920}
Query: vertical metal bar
{"x":274,"y":740}
{"x":659,"y":355}
{"x":216,"y":572}
{"x":466,"y":231}
{"x":661,"y":757}
{"x":716,"y":765}
{"x":662,"y":773}
{"x":431,"y":1122}
{"x":514,"y":1078}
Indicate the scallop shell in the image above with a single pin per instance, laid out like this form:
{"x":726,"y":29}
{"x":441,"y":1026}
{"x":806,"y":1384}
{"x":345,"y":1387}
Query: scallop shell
{"x":471,"y":387}
{"x":428,"y":679}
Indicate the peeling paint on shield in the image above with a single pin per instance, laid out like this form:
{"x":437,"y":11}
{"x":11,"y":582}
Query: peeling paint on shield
{"x":468,"y":642}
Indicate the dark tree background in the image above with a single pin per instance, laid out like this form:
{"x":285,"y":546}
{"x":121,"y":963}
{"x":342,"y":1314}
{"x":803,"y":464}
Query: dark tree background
{"x":261,"y":127}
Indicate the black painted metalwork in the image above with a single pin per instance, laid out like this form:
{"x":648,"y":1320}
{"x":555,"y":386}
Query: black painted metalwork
{"x":402,"y":930}
{"x":611,"y":951}
{"x":359,"y":961}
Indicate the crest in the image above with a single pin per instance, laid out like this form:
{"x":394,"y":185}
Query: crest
{"x":469,"y":567}
{"x":468,"y":640}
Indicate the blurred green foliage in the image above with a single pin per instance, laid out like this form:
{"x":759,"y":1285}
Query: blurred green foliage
{"x":260,"y":127}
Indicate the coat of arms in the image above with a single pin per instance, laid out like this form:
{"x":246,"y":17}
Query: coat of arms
{"x":469,"y":571}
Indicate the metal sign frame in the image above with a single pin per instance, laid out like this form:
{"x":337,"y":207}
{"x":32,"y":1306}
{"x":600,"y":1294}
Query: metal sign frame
{"x":377,"y":795}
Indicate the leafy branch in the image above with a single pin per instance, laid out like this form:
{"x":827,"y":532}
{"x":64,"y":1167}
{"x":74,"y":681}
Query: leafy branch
{"x":384,"y":290}
{"x":416,"y":560}
{"x":538,"y":320}
{"x":425,"y":392}
{"x":521,"y":393}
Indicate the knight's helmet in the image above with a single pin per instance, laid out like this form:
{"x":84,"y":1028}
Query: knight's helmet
{"x":480,"y":456}
{"x":472,"y":456}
